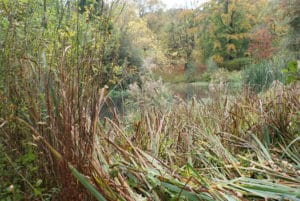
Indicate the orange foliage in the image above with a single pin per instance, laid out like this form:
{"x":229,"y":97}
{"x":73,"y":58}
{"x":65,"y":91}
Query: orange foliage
{"x":261,"y":44}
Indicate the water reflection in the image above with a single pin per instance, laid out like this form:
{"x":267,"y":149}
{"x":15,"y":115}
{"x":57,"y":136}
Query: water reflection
{"x":187,"y":91}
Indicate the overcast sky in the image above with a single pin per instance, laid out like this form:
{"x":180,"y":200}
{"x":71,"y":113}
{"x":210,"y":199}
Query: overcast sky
{"x":182,"y":3}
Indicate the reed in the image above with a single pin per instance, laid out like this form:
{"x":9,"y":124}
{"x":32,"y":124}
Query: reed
{"x":57,"y":79}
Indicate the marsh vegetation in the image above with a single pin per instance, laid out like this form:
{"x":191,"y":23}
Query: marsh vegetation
{"x":127,"y":100}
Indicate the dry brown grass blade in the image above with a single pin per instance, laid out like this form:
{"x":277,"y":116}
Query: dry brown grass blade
{"x":123,"y":135}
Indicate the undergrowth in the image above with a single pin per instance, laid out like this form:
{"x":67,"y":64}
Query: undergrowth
{"x":55,"y":74}
{"x":230,"y":148}
{"x":240,"y":148}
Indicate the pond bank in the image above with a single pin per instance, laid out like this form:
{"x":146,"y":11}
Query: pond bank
{"x":198,"y":90}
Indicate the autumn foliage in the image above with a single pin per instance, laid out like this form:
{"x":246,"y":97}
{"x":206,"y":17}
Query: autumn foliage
{"x":261,"y":46}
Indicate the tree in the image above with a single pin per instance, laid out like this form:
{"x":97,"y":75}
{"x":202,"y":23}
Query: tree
{"x":180,"y":34}
{"x":292,"y":11}
{"x":226,"y":31}
{"x":261,"y":44}
{"x":148,"y":6}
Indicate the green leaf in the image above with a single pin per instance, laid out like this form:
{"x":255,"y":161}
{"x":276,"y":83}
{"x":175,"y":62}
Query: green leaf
{"x":266,"y":189}
{"x":196,"y":174}
{"x":292,"y":66}
{"x":190,"y":196}
{"x":81,"y":178}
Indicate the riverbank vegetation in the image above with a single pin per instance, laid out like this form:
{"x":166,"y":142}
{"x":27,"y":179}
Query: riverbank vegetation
{"x":67,"y":67}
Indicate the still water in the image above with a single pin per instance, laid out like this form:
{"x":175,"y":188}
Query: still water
{"x":185,"y":91}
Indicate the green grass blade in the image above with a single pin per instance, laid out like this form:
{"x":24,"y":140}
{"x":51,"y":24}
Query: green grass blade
{"x":265,"y":189}
{"x":190,"y":196}
{"x":262,"y":147}
{"x":86,"y":184}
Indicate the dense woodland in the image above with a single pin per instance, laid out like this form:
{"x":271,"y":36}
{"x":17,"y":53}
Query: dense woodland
{"x":91,"y":104}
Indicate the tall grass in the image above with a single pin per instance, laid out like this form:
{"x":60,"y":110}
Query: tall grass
{"x":167,"y":149}
{"x":223,"y":150}
{"x":260,"y":76}
{"x":54,"y":85}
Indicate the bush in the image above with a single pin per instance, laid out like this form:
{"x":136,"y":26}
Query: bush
{"x":20,"y":175}
{"x":236,"y":64}
{"x":291,"y":72}
{"x":190,"y":70}
{"x":261,"y":75}
{"x":206,"y":77}
{"x":211,"y":65}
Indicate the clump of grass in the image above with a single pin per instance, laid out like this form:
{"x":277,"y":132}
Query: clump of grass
{"x":55,"y":84}
{"x":221,"y":150}
{"x":235,"y":148}
{"x":242,"y":147}
{"x":259,"y":76}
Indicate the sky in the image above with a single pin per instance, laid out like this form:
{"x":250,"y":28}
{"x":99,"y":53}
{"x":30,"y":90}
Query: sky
{"x":182,"y":3}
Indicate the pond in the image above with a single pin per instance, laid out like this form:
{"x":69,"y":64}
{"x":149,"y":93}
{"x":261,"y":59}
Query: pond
{"x":187,"y":91}
{"x":200,"y":90}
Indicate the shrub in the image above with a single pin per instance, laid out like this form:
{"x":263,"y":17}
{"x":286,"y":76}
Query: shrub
{"x":20,"y":174}
{"x":190,"y":70}
{"x":261,"y":75}
{"x":206,"y":77}
{"x":236,"y":64}
{"x":291,"y":72}
{"x":211,"y":65}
